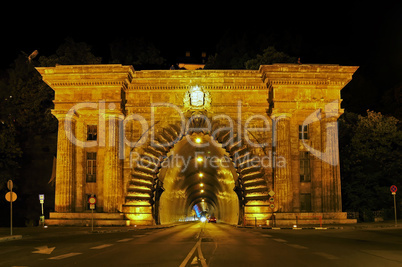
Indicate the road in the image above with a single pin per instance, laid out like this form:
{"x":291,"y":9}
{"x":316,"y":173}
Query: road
{"x":206,"y":244}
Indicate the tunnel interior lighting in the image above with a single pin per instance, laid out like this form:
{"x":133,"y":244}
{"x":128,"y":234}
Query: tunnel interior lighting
{"x":198,"y":140}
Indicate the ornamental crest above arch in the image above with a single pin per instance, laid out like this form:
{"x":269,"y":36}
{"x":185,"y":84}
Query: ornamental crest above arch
{"x":196,"y":99}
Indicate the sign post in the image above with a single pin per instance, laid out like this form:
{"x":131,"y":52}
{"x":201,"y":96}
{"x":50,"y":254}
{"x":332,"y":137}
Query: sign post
{"x":92,"y":201}
{"x":42,"y":200}
{"x":393,"y":189}
{"x":10,"y":186}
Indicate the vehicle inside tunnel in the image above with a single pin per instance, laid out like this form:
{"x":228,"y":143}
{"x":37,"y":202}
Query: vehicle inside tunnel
{"x":198,"y":178}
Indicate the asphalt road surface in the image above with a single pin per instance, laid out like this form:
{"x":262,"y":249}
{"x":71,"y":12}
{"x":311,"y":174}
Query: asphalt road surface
{"x":207,"y":244}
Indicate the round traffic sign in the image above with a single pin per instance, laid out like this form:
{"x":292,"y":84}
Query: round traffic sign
{"x":272,"y":206}
{"x":92,"y":200}
{"x":272,"y":199}
{"x":393,"y":188}
{"x":8,"y":197}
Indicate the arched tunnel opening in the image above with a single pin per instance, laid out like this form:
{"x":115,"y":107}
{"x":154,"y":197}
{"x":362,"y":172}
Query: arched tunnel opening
{"x":198,"y":178}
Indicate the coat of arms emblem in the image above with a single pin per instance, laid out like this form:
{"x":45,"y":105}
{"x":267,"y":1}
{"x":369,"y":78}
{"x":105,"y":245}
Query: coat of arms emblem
{"x":197,"y":99}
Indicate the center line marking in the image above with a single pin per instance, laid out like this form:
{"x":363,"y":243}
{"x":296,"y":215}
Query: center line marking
{"x":68,"y":255}
{"x":279,"y":240}
{"x":125,"y":240}
{"x":102,"y":246}
{"x":297,"y":246}
{"x":138,"y":235}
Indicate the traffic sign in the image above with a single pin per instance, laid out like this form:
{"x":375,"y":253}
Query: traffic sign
{"x":10,"y":185}
{"x":271,"y":193}
{"x":92,"y":200}
{"x":41,"y":198}
{"x":92,"y":206}
{"x":272,"y":199}
{"x":272,"y":206}
{"x":393,"y":189}
{"x":8,"y":196}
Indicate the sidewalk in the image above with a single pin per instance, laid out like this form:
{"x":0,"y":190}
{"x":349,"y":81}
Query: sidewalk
{"x":361,"y":225}
{"x":52,"y":231}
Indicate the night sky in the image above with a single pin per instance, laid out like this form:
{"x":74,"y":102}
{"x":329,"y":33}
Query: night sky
{"x":368,"y":34}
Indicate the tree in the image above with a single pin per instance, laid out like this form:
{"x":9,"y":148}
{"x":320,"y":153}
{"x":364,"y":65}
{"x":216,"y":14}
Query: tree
{"x":371,"y":160}
{"x":71,"y":53}
{"x":28,"y":130}
{"x":138,"y":52}
{"x":270,"y":56}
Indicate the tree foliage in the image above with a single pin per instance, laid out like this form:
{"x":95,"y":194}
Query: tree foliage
{"x":71,"y":53}
{"x":371,"y":160}
{"x":27,"y":125}
{"x":269,"y":56}
{"x":138,"y":52}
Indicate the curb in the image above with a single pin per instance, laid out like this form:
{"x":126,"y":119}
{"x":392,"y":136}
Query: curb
{"x":10,"y":238}
{"x":288,"y":228}
{"x":104,"y":231}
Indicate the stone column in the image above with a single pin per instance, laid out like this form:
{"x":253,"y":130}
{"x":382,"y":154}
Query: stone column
{"x":282,"y":163}
{"x":331,"y":180}
{"x":64,"y":194}
{"x":112,"y":185}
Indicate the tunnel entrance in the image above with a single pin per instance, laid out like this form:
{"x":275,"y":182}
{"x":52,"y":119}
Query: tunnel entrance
{"x":198,"y":179}
{"x":206,"y":168}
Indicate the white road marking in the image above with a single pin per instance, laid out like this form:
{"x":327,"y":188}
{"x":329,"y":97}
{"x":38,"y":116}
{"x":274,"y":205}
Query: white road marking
{"x":44,"y":250}
{"x":188,"y":257}
{"x":202,"y":259}
{"x":139,"y":235}
{"x":279,"y":240}
{"x":68,"y":255}
{"x":266,"y":235}
{"x":326,"y":255}
{"x":394,"y":255}
{"x":297,"y":246}
{"x":102,"y":246}
{"x":125,"y":240}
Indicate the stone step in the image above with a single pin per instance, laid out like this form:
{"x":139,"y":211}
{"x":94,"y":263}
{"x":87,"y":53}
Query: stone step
{"x":86,"y":215}
{"x":140,"y":182}
{"x":252,"y":175}
{"x":138,"y":189}
{"x":85,"y":219}
{"x":254,"y":182}
{"x":86,"y":222}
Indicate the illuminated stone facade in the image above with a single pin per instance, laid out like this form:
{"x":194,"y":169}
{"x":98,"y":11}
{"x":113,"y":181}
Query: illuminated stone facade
{"x":118,"y":129}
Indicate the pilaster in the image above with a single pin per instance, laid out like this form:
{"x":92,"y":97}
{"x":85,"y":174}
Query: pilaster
{"x":65,"y":166}
{"x":113,"y":180}
{"x":331,"y":182}
{"x":282,"y":162}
